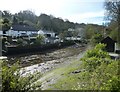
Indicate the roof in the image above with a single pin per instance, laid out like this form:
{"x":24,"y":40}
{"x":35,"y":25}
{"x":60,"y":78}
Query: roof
{"x":23,"y":28}
{"x":108,"y":39}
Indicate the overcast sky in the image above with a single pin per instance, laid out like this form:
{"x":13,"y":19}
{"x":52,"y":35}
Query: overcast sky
{"x":80,"y":11}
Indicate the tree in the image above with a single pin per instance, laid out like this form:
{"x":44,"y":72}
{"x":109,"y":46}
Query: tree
{"x":113,"y":13}
{"x":27,"y":17}
{"x":15,"y":20}
{"x":89,"y":31}
{"x":63,"y":34}
{"x":45,"y":21}
{"x":6,"y":14}
{"x":6,"y":25}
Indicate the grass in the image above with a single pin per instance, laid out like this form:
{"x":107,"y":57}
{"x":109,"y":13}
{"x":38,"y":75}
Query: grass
{"x":68,"y":80}
{"x":65,"y":78}
{"x":103,"y":77}
{"x":83,"y":80}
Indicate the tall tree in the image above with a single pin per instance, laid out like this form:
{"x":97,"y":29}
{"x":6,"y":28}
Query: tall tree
{"x":15,"y":20}
{"x":27,"y":17}
{"x":6,"y":14}
{"x":6,"y":25}
{"x":113,"y":13}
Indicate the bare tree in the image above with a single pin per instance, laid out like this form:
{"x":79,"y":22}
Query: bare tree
{"x":113,"y":13}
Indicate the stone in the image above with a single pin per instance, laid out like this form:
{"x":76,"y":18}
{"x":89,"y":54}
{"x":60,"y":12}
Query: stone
{"x":76,"y":71}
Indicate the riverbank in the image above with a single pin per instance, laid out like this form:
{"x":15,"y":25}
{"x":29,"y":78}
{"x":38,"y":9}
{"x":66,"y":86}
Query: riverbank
{"x":34,"y":48}
{"x":64,"y":58}
{"x":36,"y":58}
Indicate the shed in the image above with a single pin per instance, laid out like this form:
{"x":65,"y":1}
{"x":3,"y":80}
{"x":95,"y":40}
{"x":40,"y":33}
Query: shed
{"x":110,"y":44}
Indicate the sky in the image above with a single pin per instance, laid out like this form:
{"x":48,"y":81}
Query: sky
{"x":77,"y":11}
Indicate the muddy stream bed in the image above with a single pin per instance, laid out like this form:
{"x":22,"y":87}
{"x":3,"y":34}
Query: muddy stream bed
{"x":36,"y":58}
{"x":45,"y":62}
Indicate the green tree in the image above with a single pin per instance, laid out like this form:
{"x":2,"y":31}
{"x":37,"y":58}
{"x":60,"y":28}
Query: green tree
{"x":15,"y":20}
{"x":5,"y":25}
{"x":113,"y":13}
{"x":6,"y":14}
{"x":89,"y":31}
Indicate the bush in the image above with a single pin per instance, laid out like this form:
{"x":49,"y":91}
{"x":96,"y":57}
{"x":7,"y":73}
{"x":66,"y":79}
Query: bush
{"x":13,"y":81}
{"x":96,"y":38}
{"x":94,"y":57}
{"x":97,"y":52}
{"x":102,"y":71}
{"x":40,"y":39}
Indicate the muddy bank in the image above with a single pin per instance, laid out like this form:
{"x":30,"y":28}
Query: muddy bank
{"x":46,"y":68}
{"x":36,"y":58}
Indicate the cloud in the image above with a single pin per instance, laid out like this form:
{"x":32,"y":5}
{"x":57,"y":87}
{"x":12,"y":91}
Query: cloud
{"x":73,"y":10}
{"x":87,"y":17}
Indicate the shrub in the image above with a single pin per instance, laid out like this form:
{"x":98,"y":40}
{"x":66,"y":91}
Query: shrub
{"x":102,"y":71}
{"x":94,"y":57}
{"x":13,"y":81}
{"x":40,"y":39}
{"x":96,"y":38}
{"x":97,"y":52}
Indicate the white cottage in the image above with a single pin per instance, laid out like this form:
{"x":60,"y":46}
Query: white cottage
{"x":50,"y":36}
{"x":21,"y":30}
{"x":76,"y":34}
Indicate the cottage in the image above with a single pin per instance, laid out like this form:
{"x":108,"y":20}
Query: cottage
{"x":110,"y":44}
{"x":50,"y":36}
{"x":76,"y":34}
{"x":21,"y":31}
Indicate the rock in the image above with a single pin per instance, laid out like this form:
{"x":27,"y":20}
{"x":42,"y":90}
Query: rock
{"x":56,"y":62}
{"x":35,"y":67}
{"x":48,"y":81}
{"x":41,"y":64}
{"x":47,"y":68}
{"x":76,"y":71}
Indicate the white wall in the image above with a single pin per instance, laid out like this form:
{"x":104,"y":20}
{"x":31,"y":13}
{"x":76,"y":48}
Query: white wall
{"x":117,"y":47}
{"x":18,"y":33}
{"x":10,"y":32}
{"x":1,"y":32}
{"x":46,"y":32}
{"x":81,"y":32}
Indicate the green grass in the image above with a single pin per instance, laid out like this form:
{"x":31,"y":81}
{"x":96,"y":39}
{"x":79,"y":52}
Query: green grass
{"x":103,"y":77}
{"x":84,"y":80}
{"x":66,"y":79}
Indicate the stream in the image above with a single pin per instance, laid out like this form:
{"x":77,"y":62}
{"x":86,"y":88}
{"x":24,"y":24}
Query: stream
{"x":49,"y":58}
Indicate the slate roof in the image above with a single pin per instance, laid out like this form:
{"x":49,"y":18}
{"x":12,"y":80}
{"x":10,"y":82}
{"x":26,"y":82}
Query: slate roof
{"x":108,"y":40}
{"x":23,"y":28}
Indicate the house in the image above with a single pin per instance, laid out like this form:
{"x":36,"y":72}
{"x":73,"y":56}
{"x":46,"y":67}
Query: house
{"x":110,"y":44}
{"x":76,"y":34}
{"x":21,"y":31}
{"x":50,"y":36}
